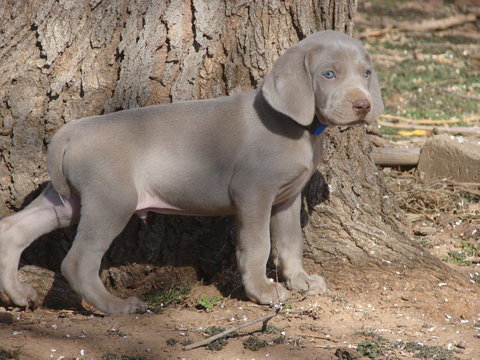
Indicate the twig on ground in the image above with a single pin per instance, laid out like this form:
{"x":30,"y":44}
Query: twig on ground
{"x":465,"y":96}
{"x":472,"y":188}
{"x":207,"y":341}
{"x":429,"y":121}
{"x":315,"y":336}
{"x":435,"y":24}
{"x":471,"y":131}
{"x":465,"y":34}
{"x":376,"y":33}
{"x":423,"y":26}
{"x":468,"y":47}
{"x":390,"y":156}
{"x":430,"y":199}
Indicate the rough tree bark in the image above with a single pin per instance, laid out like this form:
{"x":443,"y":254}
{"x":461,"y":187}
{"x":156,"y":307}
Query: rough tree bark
{"x":61,"y":60}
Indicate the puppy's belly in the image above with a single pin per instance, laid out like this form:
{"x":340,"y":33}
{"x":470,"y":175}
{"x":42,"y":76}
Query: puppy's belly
{"x":154,"y":203}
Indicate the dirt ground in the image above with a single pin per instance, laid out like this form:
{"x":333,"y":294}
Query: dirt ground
{"x":386,"y":317}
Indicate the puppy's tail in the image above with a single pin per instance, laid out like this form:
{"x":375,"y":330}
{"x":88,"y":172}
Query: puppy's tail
{"x":55,"y":161}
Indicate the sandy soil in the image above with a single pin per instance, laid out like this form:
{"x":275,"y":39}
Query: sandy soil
{"x":327,"y":327}
{"x":392,"y":318}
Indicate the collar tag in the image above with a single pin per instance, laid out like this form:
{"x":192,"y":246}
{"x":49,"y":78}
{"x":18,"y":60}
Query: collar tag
{"x":319,"y":129}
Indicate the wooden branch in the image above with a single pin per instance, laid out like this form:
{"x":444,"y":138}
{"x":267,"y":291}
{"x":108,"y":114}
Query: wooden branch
{"x":375,"y":33}
{"x":429,"y":121}
{"x":395,"y":156}
{"x":471,"y":131}
{"x":423,"y":26}
{"x":435,"y":24}
{"x":263,"y":319}
{"x":315,"y":336}
{"x":468,"y":34}
{"x":472,"y":188}
{"x":470,"y":47}
{"x":464,"y":96}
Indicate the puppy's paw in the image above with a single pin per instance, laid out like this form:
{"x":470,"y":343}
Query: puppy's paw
{"x":307,"y":284}
{"x":130,"y":305}
{"x":22,"y":294}
{"x":135,"y":305}
{"x":30,"y":294}
{"x":267,"y":292}
{"x":116,"y":305}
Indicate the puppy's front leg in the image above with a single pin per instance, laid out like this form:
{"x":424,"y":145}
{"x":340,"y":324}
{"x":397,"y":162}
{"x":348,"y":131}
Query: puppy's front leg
{"x":287,"y":248}
{"x":253,"y":250}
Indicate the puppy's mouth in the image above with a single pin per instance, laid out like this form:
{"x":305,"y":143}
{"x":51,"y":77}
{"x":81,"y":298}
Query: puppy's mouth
{"x":358,"y":123}
{"x":344,"y":118}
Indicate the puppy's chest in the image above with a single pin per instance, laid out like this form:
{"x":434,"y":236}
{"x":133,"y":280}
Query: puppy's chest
{"x":293,"y":186}
{"x":296,"y":171}
{"x":293,"y":177}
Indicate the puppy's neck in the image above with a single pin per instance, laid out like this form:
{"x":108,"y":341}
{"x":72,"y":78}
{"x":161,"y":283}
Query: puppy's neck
{"x":316,"y":128}
{"x":319,"y":129}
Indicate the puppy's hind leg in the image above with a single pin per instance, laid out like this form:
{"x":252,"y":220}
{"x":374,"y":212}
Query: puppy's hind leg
{"x":46,"y":213}
{"x":104,"y":214}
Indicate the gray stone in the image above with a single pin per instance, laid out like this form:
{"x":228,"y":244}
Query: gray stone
{"x":446,"y":156}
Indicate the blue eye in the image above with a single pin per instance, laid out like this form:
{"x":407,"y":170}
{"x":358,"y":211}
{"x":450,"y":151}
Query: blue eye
{"x":329,"y":74}
{"x":367,"y":73}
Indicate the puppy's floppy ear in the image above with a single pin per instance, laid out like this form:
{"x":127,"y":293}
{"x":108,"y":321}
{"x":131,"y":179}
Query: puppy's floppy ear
{"x":377,"y":103}
{"x":289,"y":88}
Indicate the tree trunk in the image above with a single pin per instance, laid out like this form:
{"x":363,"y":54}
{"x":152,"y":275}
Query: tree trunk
{"x":62,"y":60}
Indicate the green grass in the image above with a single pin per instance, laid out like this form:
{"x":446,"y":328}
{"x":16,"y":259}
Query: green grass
{"x":209,"y":302}
{"x":424,"y":76}
{"x":253,"y":343}
{"x":218,"y":344}
{"x":214,"y":330}
{"x":171,"y":341}
{"x":429,"y":90}
{"x":172,"y":297}
{"x":369,"y":349}
{"x":272,"y":329}
{"x":466,"y":249}
{"x":375,"y":346}
{"x":421,"y":351}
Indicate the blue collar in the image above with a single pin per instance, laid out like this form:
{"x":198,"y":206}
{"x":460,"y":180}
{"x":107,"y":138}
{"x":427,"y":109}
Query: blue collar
{"x":319,"y":129}
{"x":315,"y":128}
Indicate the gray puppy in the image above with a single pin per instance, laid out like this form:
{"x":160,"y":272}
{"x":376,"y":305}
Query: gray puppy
{"x":249,"y":155}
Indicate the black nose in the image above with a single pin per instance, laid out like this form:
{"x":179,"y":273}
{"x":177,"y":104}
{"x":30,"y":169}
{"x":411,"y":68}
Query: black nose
{"x":361,"y":105}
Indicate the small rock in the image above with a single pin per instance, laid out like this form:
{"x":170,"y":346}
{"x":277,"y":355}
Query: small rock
{"x":444,"y":157}
{"x":424,"y":230}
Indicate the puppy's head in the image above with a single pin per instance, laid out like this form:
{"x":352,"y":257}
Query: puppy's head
{"x":328,"y":74}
